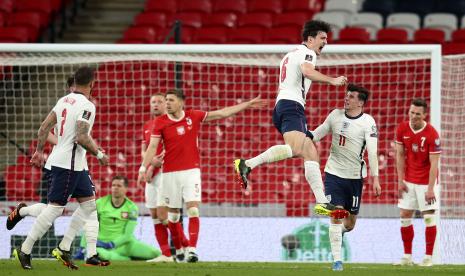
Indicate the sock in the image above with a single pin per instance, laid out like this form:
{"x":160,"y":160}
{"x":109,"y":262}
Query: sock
{"x":194,"y":227}
{"x":173,"y":221}
{"x":41,"y":225}
{"x":313,"y":176}
{"x":32,"y":210}
{"x":182,"y":236}
{"x":335,"y":238}
{"x":79,"y":217}
{"x":161,"y":233}
{"x":273,"y":154}
{"x":91,"y":231}
{"x":407,"y":234}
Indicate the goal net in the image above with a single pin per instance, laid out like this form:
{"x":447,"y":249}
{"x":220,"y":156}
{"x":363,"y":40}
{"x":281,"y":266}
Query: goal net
{"x":276,"y":218}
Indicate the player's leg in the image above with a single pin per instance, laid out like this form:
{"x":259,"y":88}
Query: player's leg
{"x":21,"y":211}
{"x":429,"y":217}
{"x":142,"y":251}
{"x":172,"y":194}
{"x":63,"y":182}
{"x":192,"y":194}
{"x":116,"y":254}
{"x":408,"y":204}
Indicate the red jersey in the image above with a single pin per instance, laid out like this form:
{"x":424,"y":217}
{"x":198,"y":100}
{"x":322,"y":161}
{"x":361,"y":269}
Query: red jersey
{"x":148,"y":128}
{"x":418,"y":145}
{"x":180,"y":140}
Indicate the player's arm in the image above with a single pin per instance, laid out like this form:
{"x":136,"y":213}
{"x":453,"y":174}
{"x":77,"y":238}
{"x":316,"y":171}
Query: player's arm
{"x":322,"y":130}
{"x":83,"y":138}
{"x":433,"y":174}
{"x":147,"y":157}
{"x":38,"y":158}
{"x":232,"y":110}
{"x":371,"y":138}
{"x":309,"y":71}
{"x":400,"y":165}
{"x":52,"y":139}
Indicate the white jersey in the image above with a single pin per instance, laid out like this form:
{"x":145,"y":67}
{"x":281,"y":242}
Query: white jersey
{"x":350,"y":137}
{"x":292,"y":83}
{"x":69,"y":110}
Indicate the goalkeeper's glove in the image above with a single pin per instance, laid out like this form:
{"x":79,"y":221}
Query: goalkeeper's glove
{"x":80,"y":253}
{"x":106,"y":245}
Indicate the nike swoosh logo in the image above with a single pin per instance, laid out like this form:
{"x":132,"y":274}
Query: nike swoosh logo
{"x":406,"y":137}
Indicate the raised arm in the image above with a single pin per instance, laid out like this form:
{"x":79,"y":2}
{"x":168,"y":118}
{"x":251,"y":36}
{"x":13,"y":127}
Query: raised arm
{"x":309,"y":71}
{"x":232,"y":110}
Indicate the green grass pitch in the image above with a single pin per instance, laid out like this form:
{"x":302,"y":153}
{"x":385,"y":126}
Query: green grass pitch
{"x":51,"y":268}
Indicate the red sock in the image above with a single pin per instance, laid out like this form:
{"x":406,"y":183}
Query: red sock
{"x":430,"y":236}
{"x":161,"y":233}
{"x":194,"y":226}
{"x":184,"y":240}
{"x":407,"y":237}
{"x":175,"y":233}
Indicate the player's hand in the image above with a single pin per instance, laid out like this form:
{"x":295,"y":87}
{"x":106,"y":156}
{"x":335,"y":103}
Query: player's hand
{"x":104,"y":160}
{"x":38,"y":159}
{"x":402,"y":189}
{"x":142,"y":178}
{"x":430,"y":198}
{"x":339,"y":81}
{"x":157,"y":161}
{"x":376,"y":187}
{"x":257,"y":102}
{"x":106,"y":245}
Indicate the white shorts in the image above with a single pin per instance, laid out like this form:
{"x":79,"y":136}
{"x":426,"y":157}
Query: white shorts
{"x":153,"y":197}
{"x":414,"y":199}
{"x":180,"y":185}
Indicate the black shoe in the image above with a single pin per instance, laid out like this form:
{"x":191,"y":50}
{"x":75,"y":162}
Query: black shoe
{"x":24,"y":259}
{"x":97,"y":261}
{"x":192,"y":257}
{"x":242,"y":171}
{"x":64,"y":257}
{"x":180,"y":255}
{"x":14,"y":217}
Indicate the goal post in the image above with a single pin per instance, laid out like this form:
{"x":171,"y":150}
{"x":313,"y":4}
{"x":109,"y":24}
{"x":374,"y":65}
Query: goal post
{"x":34,"y":76}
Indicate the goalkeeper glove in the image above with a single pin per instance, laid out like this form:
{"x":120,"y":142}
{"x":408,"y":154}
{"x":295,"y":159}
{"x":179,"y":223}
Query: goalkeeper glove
{"x":80,"y":253}
{"x":106,"y":245}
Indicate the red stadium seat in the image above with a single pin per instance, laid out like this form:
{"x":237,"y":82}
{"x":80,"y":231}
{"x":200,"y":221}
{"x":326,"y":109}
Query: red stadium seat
{"x":29,"y":20}
{"x":226,"y":19}
{"x":151,"y":19}
{"x":303,"y":5}
{"x":139,"y":35}
{"x":188,"y":19}
{"x":246,"y":35}
{"x":453,"y":48}
{"x":260,"y":19}
{"x":6,"y":6}
{"x":166,"y":7}
{"x":201,"y":6}
{"x":429,"y":36}
{"x":283,"y":35}
{"x":458,"y":35}
{"x":392,"y":36}
{"x":14,"y":34}
{"x":44,"y":8}
{"x":291,"y":19}
{"x":211,"y":35}
{"x":354,"y":35}
{"x":270,"y":6}
{"x":22,"y":182}
{"x":237,"y":6}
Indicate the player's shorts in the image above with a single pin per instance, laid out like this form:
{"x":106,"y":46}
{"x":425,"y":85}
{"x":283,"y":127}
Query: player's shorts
{"x":66,"y":183}
{"x":180,"y":185}
{"x":153,"y":197}
{"x":344,"y":192}
{"x":414,"y":198}
{"x":288,"y":116}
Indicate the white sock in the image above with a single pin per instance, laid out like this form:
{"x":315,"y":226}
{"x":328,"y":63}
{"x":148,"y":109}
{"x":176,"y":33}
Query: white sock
{"x":91,"y":231}
{"x":32,"y":210}
{"x":41,"y":225}
{"x":79,"y":217}
{"x":313,"y":176}
{"x":273,"y":154}
{"x":335,"y":238}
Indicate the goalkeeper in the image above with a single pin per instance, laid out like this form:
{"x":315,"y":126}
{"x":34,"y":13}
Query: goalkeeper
{"x":117,"y":216}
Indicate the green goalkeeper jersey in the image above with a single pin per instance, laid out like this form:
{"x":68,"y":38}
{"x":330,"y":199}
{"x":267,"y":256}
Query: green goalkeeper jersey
{"x":117,"y":224}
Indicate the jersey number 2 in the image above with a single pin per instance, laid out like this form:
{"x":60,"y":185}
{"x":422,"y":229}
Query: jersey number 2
{"x":63,"y":120}
{"x":342,"y":140}
{"x":283,"y":69}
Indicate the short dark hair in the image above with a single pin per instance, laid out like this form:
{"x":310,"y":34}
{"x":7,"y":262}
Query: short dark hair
{"x":177,"y":92}
{"x":363,"y":93}
{"x":70,"y":81}
{"x":312,"y":27}
{"x":84,"y":75}
{"x":420,"y":102}
{"x":120,"y":177}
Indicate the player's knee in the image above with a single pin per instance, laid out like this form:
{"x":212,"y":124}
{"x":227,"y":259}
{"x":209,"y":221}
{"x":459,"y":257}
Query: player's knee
{"x":430,"y":220}
{"x":88,"y":207}
{"x":173,"y":217}
{"x":405,"y":222}
{"x":193,"y":212}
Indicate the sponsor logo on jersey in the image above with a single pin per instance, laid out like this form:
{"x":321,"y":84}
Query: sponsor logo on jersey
{"x":86,"y":114}
{"x":180,"y":130}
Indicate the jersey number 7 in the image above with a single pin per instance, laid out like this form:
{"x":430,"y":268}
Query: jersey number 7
{"x":63,"y":120}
